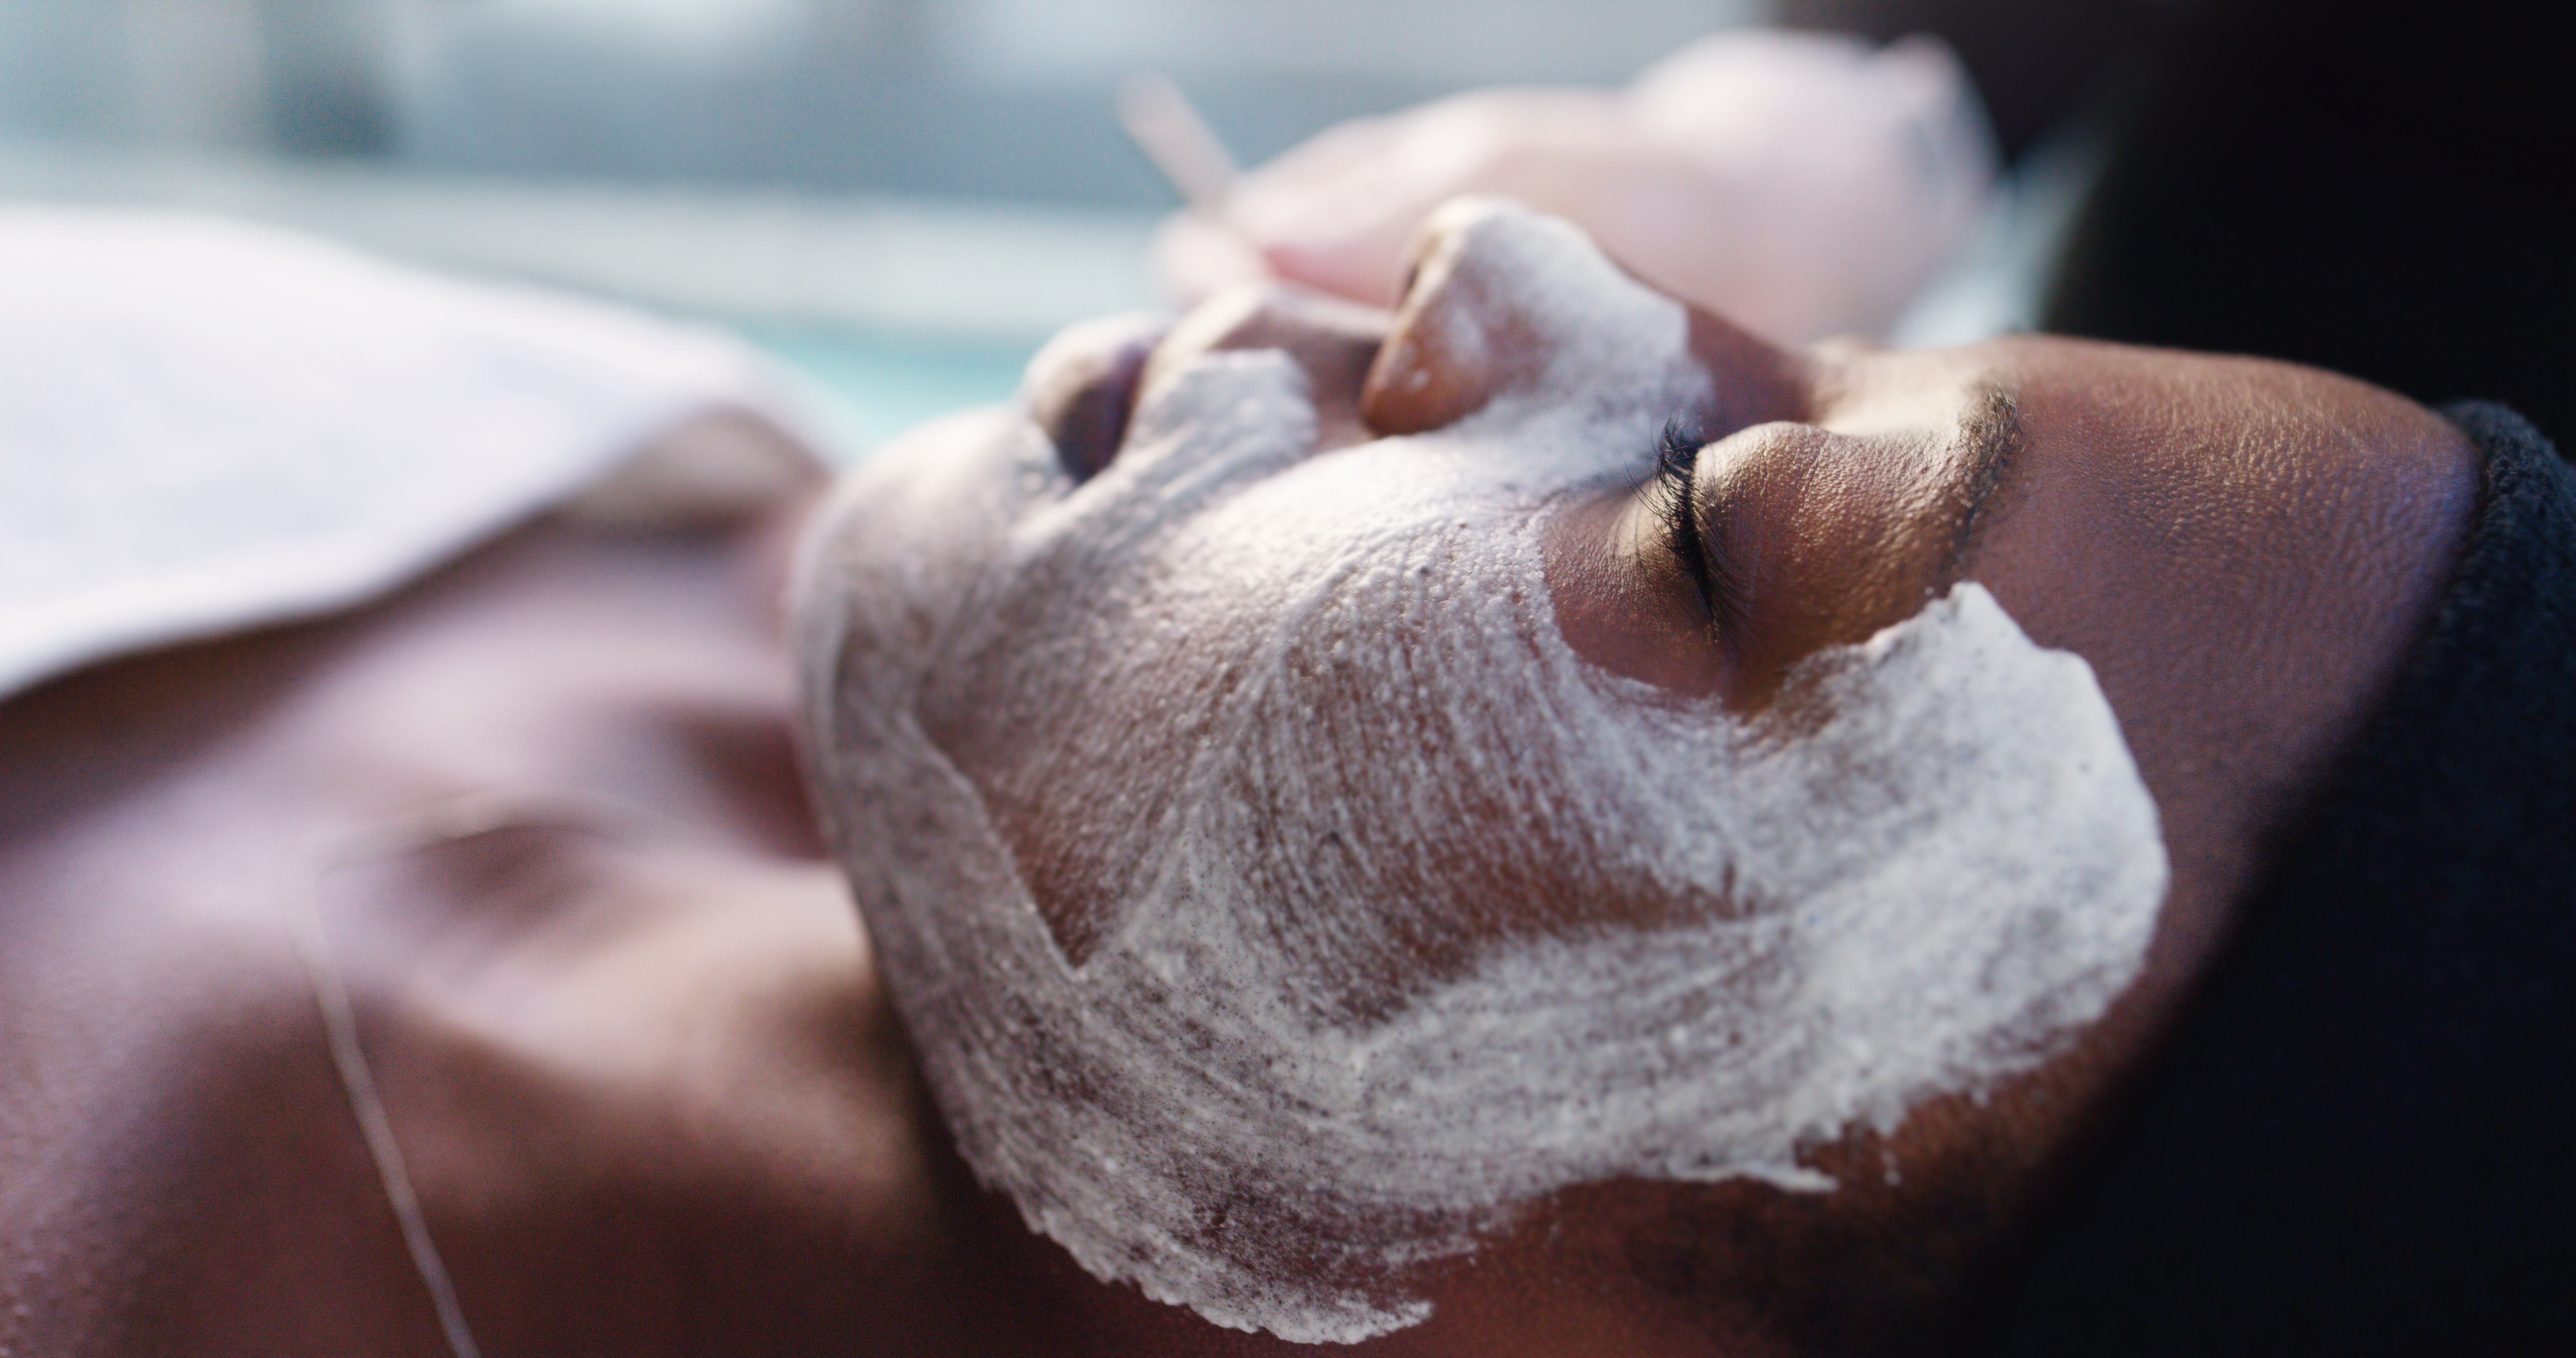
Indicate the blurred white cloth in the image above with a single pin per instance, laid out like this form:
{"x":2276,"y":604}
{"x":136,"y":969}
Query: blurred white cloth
{"x":1801,"y":184}
{"x":206,"y":426}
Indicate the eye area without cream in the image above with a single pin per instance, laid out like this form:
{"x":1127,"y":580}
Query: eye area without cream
{"x":1736,"y":556}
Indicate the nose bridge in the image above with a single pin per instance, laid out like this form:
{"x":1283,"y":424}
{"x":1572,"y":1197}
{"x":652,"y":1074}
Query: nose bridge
{"x":1506,"y":301}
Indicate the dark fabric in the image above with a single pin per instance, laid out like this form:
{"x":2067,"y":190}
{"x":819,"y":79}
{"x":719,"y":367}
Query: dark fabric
{"x":2370,"y":186}
{"x":2362,"y":1138}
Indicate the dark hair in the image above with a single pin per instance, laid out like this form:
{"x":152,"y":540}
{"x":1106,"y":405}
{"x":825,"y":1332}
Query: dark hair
{"x":2358,"y":185}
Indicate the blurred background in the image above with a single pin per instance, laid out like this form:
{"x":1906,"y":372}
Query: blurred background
{"x":900,"y":197}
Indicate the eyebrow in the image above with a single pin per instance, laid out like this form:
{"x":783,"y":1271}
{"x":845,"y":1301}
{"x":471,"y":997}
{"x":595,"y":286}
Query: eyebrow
{"x":1992,"y":430}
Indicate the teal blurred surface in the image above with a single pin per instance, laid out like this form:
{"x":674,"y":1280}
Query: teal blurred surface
{"x":878,"y":385}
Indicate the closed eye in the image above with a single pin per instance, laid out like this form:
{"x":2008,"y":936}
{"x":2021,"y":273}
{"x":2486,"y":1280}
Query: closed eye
{"x":1685,"y":515}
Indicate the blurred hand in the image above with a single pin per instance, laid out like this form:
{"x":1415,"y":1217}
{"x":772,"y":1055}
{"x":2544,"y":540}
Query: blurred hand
{"x":1801,"y":184}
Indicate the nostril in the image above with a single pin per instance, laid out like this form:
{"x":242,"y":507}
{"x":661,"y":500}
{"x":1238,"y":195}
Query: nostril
{"x":1081,"y":388}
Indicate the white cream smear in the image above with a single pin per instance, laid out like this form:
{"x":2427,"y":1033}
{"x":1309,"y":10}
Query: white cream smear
{"x":1379,"y":913}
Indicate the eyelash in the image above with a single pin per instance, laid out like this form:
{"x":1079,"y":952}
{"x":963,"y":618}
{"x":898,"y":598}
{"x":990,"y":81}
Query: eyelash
{"x":1675,"y":499}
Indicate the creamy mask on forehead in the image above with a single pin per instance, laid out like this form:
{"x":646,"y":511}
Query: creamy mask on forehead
{"x":1275,"y":900}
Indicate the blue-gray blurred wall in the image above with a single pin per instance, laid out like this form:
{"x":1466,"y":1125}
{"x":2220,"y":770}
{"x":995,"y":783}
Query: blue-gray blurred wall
{"x":979,"y":98}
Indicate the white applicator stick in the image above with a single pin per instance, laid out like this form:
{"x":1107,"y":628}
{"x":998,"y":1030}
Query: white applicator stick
{"x":1177,"y":140}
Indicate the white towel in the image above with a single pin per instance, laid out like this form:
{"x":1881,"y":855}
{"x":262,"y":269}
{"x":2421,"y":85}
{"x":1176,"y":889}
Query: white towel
{"x":206,"y":426}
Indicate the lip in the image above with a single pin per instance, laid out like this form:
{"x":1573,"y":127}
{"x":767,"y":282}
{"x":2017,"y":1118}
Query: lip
{"x":1334,"y":341}
{"x":1081,"y":388}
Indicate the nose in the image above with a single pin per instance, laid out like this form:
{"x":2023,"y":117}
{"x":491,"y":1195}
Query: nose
{"x":1502,"y":301}
{"x":1460,"y":335}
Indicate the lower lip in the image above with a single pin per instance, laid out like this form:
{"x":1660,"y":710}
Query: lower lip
{"x":1081,"y":387}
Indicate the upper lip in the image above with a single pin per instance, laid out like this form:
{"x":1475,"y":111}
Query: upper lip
{"x":1083,"y":386}
{"x":1333,"y":339}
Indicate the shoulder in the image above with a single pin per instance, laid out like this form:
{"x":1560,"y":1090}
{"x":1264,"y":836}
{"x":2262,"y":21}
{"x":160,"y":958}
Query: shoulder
{"x":541,"y":816}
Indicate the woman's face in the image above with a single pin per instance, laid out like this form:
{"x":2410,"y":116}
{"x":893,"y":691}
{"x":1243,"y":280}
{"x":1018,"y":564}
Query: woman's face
{"x":1330,"y":789}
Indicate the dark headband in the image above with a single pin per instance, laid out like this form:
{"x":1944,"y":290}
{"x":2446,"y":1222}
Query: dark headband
{"x":2361,"y":1138}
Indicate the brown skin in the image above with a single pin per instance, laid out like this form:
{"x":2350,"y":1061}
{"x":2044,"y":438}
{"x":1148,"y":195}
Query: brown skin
{"x":632,"y":1041}
{"x":626,"y":1025}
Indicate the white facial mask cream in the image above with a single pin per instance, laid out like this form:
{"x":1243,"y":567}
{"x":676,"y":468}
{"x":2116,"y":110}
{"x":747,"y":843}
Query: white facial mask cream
{"x":1276,"y":901}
